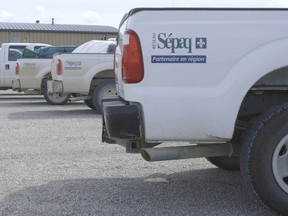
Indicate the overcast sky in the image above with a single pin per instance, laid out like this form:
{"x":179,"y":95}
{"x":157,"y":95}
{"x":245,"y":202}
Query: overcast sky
{"x":104,"y":12}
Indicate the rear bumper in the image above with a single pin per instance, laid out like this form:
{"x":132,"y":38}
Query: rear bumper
{"x":121,"y":121}
{"x":55,"y":86}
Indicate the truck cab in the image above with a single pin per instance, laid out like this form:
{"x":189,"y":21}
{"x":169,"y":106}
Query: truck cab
{"x":9,"y":54}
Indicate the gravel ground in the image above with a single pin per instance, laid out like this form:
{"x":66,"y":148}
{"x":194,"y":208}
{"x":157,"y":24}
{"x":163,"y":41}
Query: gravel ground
{"x":52,"y":162}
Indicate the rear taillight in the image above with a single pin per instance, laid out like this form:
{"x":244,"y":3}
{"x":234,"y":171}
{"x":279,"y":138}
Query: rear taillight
{"x":59,"y":68}
{"x":132,"y":61}
{"x":17,"y":69}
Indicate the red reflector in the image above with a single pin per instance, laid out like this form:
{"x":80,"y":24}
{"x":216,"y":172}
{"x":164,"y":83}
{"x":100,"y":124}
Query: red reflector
{"x":132,"y":61}
{"x":17,"y":69}
{"x":59,"y":68}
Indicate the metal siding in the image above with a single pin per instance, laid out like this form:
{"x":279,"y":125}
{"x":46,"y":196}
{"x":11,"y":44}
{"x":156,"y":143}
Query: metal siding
{"x":54,"y":34}
{"x":52,"y":38}
{"x":56,"y":28}
{"x":4,"y":37}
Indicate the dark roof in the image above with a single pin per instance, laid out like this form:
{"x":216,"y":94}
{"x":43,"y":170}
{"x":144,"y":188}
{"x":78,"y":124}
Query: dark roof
{"x":41,"y":27}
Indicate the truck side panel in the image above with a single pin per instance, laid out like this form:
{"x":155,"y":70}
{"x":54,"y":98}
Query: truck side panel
{"x":79,"y":69}
{"x":32,"y":72}
{"x":214,"y":59}
{"x":10,"y":55}
{"x":2,"y":67}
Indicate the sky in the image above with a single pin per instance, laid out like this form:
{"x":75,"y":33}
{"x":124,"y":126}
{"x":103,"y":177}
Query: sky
{"x":104,"y":12}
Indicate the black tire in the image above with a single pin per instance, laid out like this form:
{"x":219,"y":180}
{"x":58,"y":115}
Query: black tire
{"x":54,"y":99}
{"x":225,"y":162}
{"x":104,"y":88}
{"x":230,"y":163}
{"x":264,"y":159}
{"x":89,"y":103}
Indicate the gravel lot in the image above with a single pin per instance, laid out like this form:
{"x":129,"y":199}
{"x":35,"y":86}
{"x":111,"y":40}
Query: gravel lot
{"x":52,"y":162}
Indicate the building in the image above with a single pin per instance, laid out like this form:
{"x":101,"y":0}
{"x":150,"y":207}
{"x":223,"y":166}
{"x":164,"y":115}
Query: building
{"x":54,"y":34}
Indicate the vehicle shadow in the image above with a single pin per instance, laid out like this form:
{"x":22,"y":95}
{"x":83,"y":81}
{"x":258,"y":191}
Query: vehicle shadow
{"x":197,"y":192}
{"x":55,"y":114}
{"x":15,"y":98}
{"x":30,"y":100}
{"x":37,"y":103}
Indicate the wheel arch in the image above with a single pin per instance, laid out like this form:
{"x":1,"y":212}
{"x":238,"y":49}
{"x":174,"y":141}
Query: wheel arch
{"x":44,"y":72}
{"x":264,"y":66}
{"x":101,"y":75}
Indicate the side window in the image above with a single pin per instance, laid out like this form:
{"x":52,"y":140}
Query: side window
{"x":52,"y":51}
{"x":111,"y":48}
{"x":36,"y":48}
{"x":14,"y":55}
{"x":15,"y":52}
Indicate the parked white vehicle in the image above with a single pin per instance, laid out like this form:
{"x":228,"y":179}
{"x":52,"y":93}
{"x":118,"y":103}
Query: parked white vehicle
{"x":9,"y":54}
{"x":32,"y":73}
{"x":217,"y":78}
{"x":87,"y":72}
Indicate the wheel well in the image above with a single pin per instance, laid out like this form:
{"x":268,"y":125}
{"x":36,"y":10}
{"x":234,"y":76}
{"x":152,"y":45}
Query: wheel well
{"x":270,"y":90}
{"x":107,"y":74}
{"x":48,"y":75}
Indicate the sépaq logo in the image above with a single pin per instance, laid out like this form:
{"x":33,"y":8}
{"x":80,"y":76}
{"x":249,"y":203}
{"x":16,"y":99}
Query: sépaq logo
{"x":73,"y":63}
{"x":167,"y":41}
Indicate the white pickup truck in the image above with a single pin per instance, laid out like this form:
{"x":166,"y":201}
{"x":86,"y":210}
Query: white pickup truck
{"x":87,"y":72}
{"x":9,"y":54}
{"x":214,"y":78}
{"x":32,"y":73}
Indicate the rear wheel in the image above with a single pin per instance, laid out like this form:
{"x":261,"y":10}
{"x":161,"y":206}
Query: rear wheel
{"x":103,"y":89}
{"x":264,"y":158}
{"x":89,"y":103}
{"x":233,"y":162}
{"x":54,"y":98}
